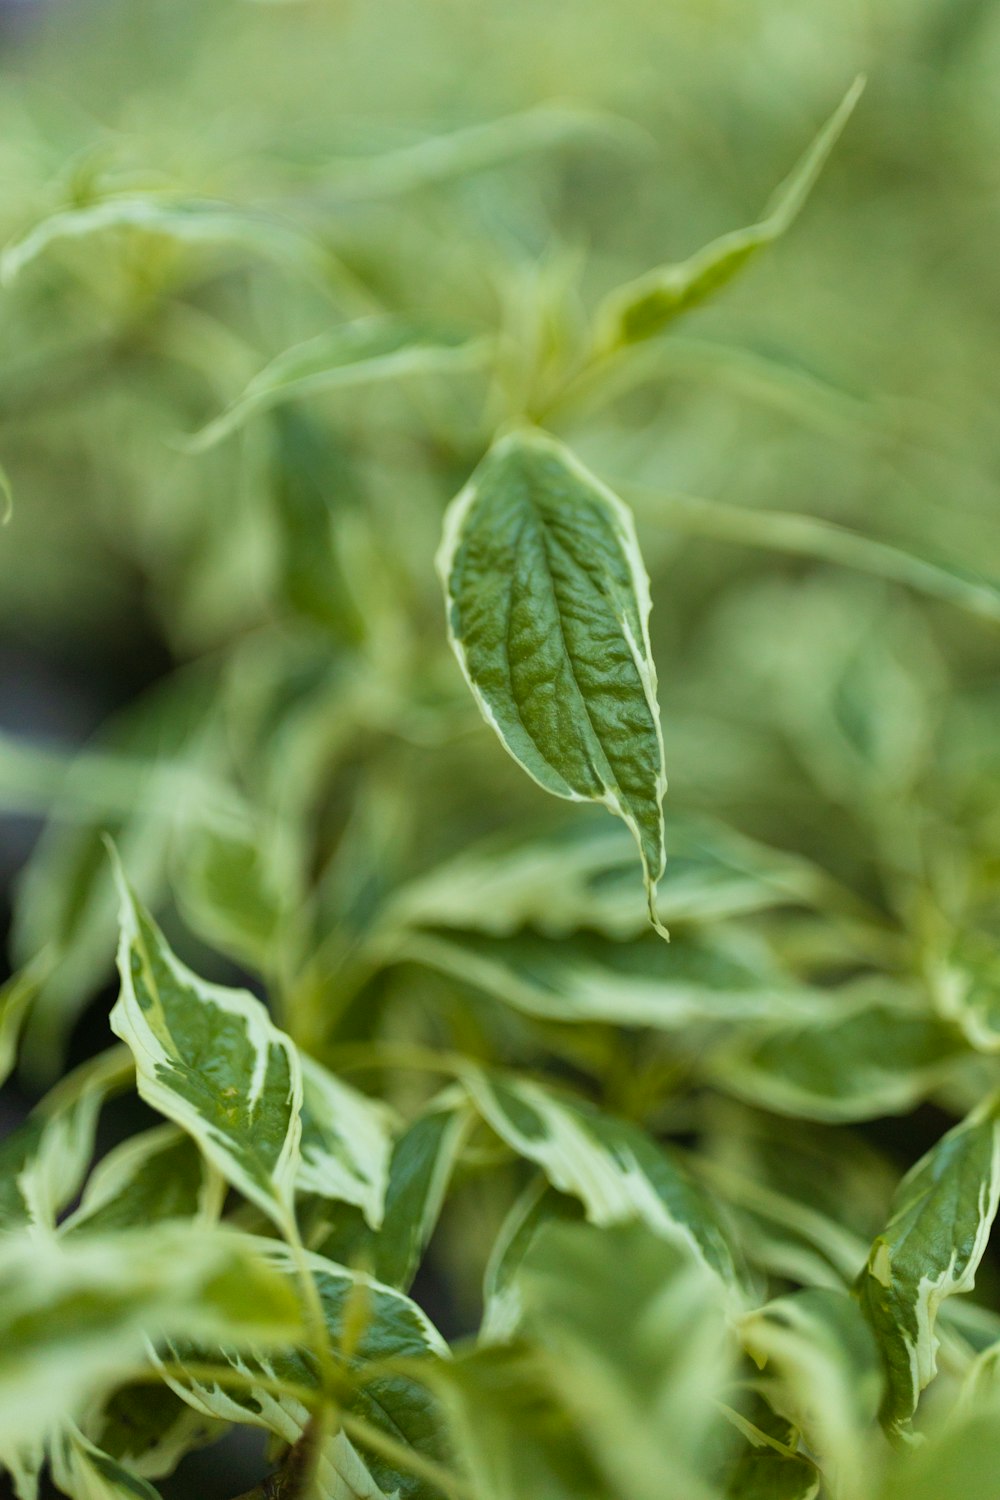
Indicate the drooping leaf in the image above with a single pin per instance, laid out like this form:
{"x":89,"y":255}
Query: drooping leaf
{"x":75,"y":1313}
{"x":645,"y":307}
{"x":617,"y":1171}
{"x":211,"y":1060}
{"x":346,"y":1143}
{"x":368,"y":1324}
{"x":548,"y":607}
{"x":352,"y":354}
{"x":154,"y":1176}
{"x":941,"y":1218}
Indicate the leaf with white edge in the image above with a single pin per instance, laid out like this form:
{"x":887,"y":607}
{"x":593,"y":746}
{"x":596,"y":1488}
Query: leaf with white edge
{"x":696,"y":982}
{"x":931,"y":1247}
{"x":580,"y":876}
{"x":210,"y":1059}
{"x":75,"y":1313}
{"x":869,"y":1051}
{"x":188,"y":221}
{"x":82,"y":1470}
{"x":156,"y":1175}
{"x":346,"y":1142}
{"x":645,"y":307}
{"x":358,"y":353}
{"x":368,"y":1324}
{"x":823,"y":1373}
{"x":618,"y":1172}
{"x":420,"y":1169}
{"x":538,"y":1205}
{"x":148,"y":1429}
{"x":548,"y":613}
{"x":44,"y":1161}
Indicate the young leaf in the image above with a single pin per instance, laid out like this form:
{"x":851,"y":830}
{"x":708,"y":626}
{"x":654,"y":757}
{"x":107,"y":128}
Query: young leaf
{"x":75,"y":1313}
{"x":352,"y":354}
{"x":369,"y":1324}
{"x":617,"y":1171}
{"x":188,"y":221}
{"x":548,"y":608}
{"x":346,"y":1143}
{"x":931,"y":1248}
{"x":643,"y":308}
{"x":211,"y":1060}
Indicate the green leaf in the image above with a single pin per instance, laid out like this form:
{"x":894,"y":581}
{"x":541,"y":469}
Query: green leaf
{"x":211,"y":1060}
{"x":82,"y":1470}
{"x":764,"y":1474}
{"x":822,"y":1372}
{"x":16,"y":997}
{"x":868,"y":1051}
{"x":937,"y":1232}
{"x":369,"y":1325}
{"x":537,"y":1206}
{"x":618,"y":1172}
{"x":643,"y":308}
{"x":346,"y":1143}
{"x":420,"y":1169}
{"x":149,"y":1429}
{"x":696,"y":982}
{"x":187,"y":221}
{"x":154,"y":1176}
{"x":371,"y":349}
{"x":44,"y":1161}
{"x":580,"y":876}
{"x":75,"y":1313}
{"x":548,"y":608}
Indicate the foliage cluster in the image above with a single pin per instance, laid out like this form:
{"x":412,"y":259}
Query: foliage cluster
{"x":645,"y":1095}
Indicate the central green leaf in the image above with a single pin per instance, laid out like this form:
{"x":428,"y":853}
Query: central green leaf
{"x":548,"y":608}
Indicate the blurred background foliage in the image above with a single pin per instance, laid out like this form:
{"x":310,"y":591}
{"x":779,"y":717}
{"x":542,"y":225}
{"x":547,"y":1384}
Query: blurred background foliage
{"x":235,"y":659}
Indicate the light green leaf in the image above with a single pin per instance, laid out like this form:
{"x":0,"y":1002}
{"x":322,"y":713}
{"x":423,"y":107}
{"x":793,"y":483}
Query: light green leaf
{"x":16,"y":997}
{"x":211,"y":1060}
{"x":643,"y":308}
{"x":346,"y":1143}
{"x":618,"y":1172}
{"x":823,"y":1373}
{"x":156,"y":1175}
{"x":80,"y":1469}
{"x":187,"y":221}
{"x":548,"y":609}
{"x":75,"y":1313}
{"x":825,"y":541}
{"x":368,"y":1324}
{"x":352,"y":354}
{"x":580,"y":876}
{"x":537,"y":1206}
{"x":235,"y":889}
{"x":931,"y":1248}
{"x":869,"y":1050}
